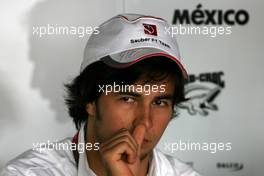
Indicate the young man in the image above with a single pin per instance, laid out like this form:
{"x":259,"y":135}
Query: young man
{"x":131,"y":79}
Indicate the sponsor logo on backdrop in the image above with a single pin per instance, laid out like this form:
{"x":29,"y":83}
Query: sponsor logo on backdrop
{"x":201,"y":92}
{"x":204,"y":21}
{"x":230,"y":166}
{"x":200,"y":16}
{"x":190,"y":163}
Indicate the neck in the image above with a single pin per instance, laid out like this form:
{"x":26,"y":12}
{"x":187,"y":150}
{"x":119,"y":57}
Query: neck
{"x":144,"y":165}
{"x":93,"y":156}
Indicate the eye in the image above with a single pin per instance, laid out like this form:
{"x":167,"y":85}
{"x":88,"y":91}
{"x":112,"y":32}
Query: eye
{"x":161,"y":102}
{"x":127,"y":99}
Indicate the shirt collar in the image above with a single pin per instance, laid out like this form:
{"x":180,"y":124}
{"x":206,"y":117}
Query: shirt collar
{"x":83,"y":166}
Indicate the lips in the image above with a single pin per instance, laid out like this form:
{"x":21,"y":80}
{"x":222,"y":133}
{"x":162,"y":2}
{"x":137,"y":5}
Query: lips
{"x":146,"y":140}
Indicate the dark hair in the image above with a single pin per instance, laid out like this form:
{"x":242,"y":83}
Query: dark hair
{"x":85,"y":87}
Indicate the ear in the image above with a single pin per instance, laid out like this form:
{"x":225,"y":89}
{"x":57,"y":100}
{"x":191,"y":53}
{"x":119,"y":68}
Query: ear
{"x":91,"y":109}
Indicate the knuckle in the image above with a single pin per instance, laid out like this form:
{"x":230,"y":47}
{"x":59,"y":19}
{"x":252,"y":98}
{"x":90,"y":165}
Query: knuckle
{"x":124,"y":144}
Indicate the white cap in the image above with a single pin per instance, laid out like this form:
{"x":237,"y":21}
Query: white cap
{"x":129,"y":38}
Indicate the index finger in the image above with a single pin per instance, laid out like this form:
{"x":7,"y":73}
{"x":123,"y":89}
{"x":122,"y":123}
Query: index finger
{"x":139,"y":134}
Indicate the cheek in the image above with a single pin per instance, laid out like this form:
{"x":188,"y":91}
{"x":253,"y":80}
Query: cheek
{"x":113,"y":118}
{"x":160,"y":126}
{"x":119,"y":117}
{"x":160,"y":122}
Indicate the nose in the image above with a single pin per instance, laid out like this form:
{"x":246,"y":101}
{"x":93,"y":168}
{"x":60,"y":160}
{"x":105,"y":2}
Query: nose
{"x":144,"y":116}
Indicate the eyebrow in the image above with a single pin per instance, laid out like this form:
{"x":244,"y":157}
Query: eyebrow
{"x":135,"y":94}
{"x":166,"y":96}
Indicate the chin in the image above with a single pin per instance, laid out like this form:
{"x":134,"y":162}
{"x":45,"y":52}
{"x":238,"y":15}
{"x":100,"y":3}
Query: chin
{"x":145,"y":152}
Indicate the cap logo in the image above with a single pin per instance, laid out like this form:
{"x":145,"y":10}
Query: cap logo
{"x":150,"y":29}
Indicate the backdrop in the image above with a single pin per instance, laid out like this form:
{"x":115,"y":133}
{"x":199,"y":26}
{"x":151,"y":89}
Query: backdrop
{"x":219,"y":130}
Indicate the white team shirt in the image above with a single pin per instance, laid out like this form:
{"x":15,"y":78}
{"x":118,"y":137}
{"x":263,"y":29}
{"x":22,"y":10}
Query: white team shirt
{"x":62,"y":163}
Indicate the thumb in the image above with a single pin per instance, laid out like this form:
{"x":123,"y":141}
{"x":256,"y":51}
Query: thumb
{"x":139,"y":134}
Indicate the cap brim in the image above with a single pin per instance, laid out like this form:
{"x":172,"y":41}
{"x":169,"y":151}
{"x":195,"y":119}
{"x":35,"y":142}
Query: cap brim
{"x":130,"y":57}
